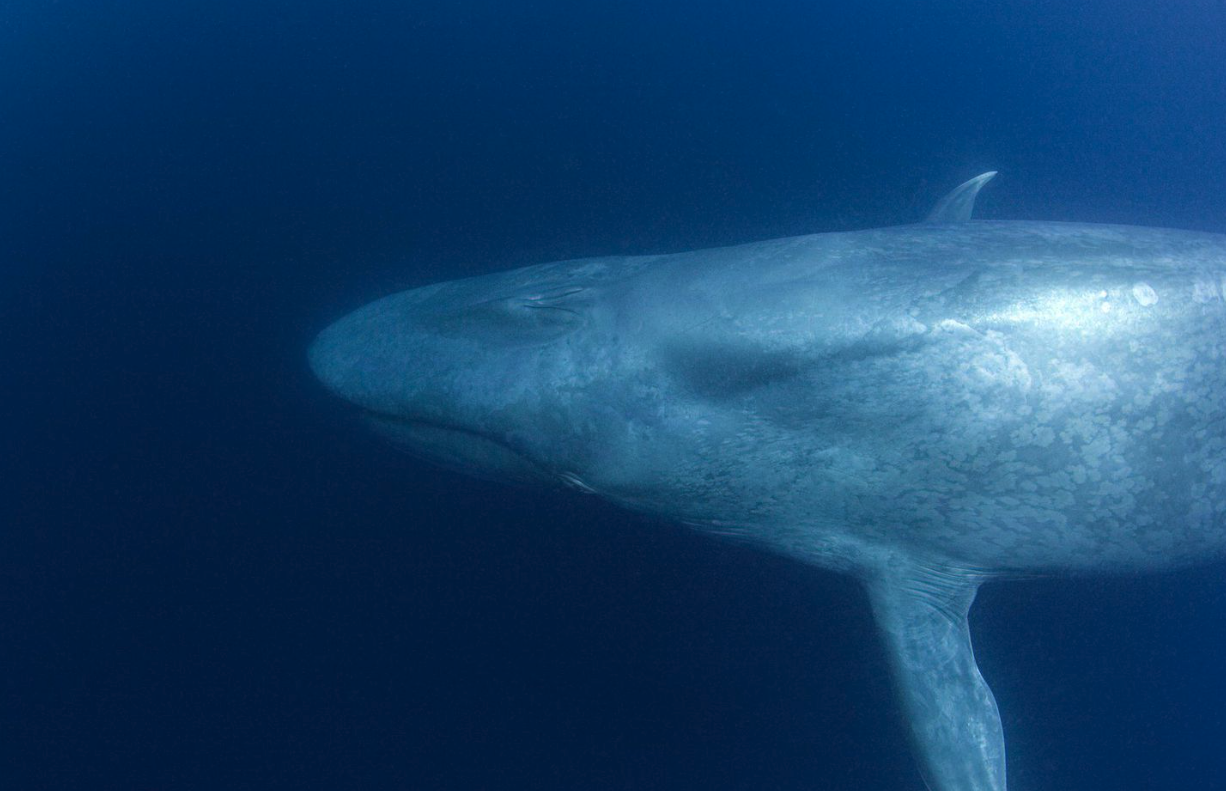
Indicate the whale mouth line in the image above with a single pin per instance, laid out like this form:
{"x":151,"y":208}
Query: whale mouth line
{"x":453,"y":447}
{"x":393,"y":420}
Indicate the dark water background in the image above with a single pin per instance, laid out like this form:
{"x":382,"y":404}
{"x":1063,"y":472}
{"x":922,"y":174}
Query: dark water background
{"x":210,"y":579}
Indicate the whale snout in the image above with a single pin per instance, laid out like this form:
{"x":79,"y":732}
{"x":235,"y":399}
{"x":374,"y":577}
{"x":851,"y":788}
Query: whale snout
{"x":331,"y":361}
{"x":368,"y":357}
{"x":341,"y":359}
{"x":394,"y":357}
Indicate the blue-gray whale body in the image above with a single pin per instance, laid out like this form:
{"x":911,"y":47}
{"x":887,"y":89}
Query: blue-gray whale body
{"x":925,"y":407}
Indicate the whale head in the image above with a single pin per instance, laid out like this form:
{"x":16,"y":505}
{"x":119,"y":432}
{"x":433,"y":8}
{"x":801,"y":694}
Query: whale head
{"x":480,"y":374}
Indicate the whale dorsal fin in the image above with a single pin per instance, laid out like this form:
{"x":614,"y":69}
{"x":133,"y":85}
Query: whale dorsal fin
{"x":960,"y":202}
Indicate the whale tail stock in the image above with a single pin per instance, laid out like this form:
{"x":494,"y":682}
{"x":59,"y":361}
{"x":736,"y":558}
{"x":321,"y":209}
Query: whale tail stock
{"x":921,"y":612}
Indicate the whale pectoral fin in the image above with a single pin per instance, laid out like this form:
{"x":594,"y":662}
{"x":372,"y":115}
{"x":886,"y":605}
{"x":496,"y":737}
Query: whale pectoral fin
{"x":952,"y":715}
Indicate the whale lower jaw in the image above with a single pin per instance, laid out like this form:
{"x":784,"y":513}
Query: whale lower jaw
{"x":456,"y":449}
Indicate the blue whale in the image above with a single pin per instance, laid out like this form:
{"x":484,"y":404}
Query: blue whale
{"x":925,"y":407}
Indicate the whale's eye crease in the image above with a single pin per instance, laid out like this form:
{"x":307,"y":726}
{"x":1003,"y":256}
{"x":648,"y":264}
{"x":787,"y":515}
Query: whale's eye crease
{"x":538,"y":306}
{"x":556,"y":294}
{"x":554,"y":299}
{"x":516,"y":319}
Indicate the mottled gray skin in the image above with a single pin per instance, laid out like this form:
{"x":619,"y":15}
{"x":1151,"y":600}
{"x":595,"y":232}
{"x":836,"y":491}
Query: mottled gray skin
{"x":924,"y":407}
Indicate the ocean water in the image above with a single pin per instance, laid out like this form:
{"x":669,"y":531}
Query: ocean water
{"x":210,"y":578}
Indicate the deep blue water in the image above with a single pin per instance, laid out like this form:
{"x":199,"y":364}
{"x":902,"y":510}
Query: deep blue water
{"x":210,"y":579}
